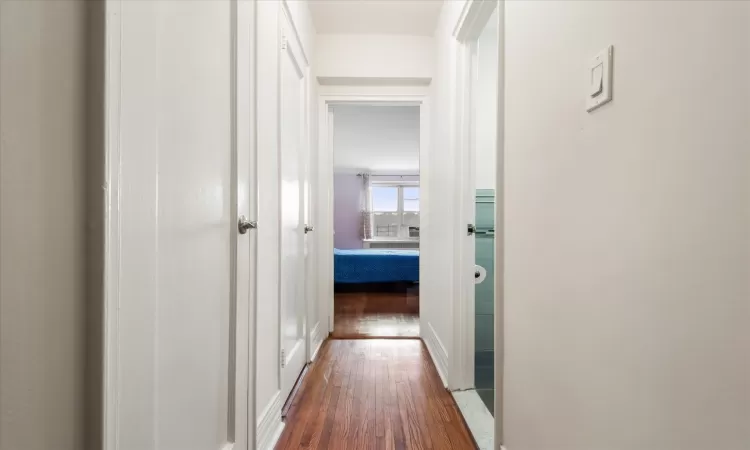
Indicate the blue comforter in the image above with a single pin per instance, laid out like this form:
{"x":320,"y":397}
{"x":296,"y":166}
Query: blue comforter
{"x":375,"y":265}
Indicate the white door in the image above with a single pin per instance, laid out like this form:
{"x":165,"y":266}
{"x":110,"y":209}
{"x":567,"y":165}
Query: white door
{"x":173,"y":360}
{"x":293,"y":154}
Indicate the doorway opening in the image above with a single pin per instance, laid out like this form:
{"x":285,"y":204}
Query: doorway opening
{"x":376,"y":220}
{"x":481,"y":203}
{"x":479,"y":132}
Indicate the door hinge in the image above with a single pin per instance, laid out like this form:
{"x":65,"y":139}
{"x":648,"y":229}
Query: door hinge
{"x":283,"y":42}
{"x":283,"y":358}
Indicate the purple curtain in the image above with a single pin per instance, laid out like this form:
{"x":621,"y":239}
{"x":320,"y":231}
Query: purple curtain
{"x":365,"y":208}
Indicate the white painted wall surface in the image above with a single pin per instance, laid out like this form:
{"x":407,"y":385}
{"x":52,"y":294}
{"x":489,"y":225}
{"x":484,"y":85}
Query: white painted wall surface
{"x":374,"y":56}
{"x":43,"y":163}
{"x":376,"y":139}
{"x":405,"y":17}
{"x":628,"y":230}
{"x":374,"y":90}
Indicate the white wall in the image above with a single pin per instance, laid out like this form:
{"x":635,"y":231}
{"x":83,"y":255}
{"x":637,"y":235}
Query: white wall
{"x":268,"y":48}
{"x":43,"y":235}
{"x":376,"y":139}
{"x":407,"y":17}
{"x":370,"y":90}
{"x":628,"y":230}
{"x":374,"y":56}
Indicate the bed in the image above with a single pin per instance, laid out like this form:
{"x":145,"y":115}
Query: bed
{"x":375,"y":266}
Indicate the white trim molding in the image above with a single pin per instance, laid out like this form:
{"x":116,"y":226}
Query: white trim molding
{"x":316,"y":341}
{"x":370,"y":81}
{"x":270,"y":425}
{"x":462,"y":370}
{"x":295,"y":31}
{"x":112,"y":243}
{"x":468,"y":27}
{"x":473,"y":18}
{"x":437,"y":351}
{"x":324,"y":182}
{"x":500,"y":231}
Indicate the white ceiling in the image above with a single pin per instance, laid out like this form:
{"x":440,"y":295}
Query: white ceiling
{"x":377,"y":139}
{"x":412,"y":17}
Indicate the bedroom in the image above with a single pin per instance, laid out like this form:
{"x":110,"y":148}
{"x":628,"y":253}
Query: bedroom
{"x":376,"y":221}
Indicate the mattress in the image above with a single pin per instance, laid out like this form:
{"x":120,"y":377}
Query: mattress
{"x":375,"y":265}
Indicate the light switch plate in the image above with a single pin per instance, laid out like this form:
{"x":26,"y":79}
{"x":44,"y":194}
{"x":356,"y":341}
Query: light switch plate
{"x":599,"y":76}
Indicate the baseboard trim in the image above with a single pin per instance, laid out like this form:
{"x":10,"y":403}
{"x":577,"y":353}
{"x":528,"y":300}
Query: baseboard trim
{"x":270,"y":426}
{"x":316,"y":341}
{"x":437,"y":351}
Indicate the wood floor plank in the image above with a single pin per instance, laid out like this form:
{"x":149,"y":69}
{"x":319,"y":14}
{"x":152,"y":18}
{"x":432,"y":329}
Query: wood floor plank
{"x":376,"y":315}
{"x":374,"y":394}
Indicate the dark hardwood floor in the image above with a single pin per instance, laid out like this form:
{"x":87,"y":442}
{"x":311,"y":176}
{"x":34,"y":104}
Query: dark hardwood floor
{"x":374,"y":394}
{"x":376,"y":315}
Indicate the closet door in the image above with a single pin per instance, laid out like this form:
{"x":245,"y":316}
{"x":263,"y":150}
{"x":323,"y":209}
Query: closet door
{"x":172,"y":361}
{"x":292,"y":129}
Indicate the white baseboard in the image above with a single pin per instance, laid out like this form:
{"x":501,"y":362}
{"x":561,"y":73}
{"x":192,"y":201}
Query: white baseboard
{"x":269,"y":424}
{"x":437,"y":351}
{"x":316,"y":340}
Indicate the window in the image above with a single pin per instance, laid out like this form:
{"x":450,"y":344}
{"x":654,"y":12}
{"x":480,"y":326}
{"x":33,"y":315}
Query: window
{"x":395,"y":210}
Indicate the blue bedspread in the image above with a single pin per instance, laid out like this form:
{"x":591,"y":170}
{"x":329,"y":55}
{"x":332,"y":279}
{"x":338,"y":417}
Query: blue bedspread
{"x":375,"y":265}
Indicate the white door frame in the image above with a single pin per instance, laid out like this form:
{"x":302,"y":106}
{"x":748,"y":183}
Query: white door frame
{"x":244,"y":111}
{"x":468,"y":28}
{"x":324,"y":207}
{"x":244,"y":151}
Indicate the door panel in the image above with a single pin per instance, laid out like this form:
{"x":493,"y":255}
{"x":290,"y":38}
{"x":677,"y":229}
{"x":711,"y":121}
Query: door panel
{"x":175,"y":377}
{"x":293,"y":153}
{"x":193,"y":229}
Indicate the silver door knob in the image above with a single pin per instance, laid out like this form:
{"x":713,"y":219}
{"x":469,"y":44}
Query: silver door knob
{"x":243,"y":224}
{"x":471,"y":229}
{"x":309,"y":228}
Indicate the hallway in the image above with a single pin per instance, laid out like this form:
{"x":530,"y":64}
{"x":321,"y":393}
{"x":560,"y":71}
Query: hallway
{"x":374,"y":394}
{"x":555,"y":195}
